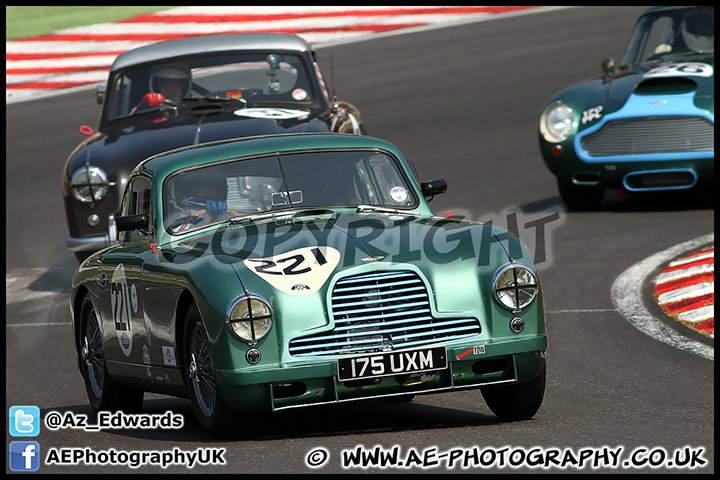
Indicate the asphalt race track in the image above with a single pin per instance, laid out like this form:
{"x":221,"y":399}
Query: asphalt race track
{"x":462,"y":103}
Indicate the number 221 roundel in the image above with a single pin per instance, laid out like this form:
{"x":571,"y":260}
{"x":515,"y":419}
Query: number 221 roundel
{"x":300,"y":272}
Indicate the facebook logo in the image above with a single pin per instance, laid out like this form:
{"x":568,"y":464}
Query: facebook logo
{"x":24,"y":421}
{"x":24,"y":456}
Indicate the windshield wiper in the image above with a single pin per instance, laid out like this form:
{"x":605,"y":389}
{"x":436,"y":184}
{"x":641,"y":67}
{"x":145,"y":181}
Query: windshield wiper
{"x":259,"y":216}
{"x":311,"y":214}
{"x":134,"y":114}
{"x":376,"y":208}
{"x":216,"y":98}
{"x":300,"y":214}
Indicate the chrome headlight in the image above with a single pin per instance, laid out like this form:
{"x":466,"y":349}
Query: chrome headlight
{"x":89,"y":184}
{"x":557,"y":121}
{"x":515,"y":286}
{"x":249,"y":318}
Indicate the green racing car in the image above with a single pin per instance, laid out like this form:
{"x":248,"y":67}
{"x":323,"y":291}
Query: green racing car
{"x":282,"y":271}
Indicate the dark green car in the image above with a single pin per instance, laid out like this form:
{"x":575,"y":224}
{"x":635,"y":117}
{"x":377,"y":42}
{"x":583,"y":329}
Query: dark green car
{"x":645,"y":125}
{"x":283,"y":271}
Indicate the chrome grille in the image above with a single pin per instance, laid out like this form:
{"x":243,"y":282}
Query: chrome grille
{"x":651,"y":135}
{"x":382,"y":311}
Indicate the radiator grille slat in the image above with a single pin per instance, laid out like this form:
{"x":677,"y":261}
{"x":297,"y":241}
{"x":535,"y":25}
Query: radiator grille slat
{"x":380,"y":311}
{"x":651,"y":135}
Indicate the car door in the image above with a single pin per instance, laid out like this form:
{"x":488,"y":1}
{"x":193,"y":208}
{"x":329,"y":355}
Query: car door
{"x":122,"y":267}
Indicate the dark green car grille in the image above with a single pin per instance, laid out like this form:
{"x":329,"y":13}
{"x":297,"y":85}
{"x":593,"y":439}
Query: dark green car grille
{"x":382,"y":311}
{"x":651,"y":135}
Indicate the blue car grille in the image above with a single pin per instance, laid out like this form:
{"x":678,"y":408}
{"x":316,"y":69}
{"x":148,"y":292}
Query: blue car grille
{"x":651,"y":135}
{"x":382,"y":311}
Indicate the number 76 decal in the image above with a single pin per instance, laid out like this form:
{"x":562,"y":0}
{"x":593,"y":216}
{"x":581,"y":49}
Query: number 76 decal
{"x":300,"y":272}
{"x":696,"y":69}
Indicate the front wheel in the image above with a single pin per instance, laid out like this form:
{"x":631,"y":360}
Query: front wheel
{"x":102,"y":391}
{"x":516,"y":402}
{"x":210,"y":410}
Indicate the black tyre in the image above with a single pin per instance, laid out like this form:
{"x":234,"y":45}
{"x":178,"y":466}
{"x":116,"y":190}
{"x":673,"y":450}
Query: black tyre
{"x":516,"y":402}
{"x":211,"y":411}
{"x":580,"y":197}
{"x":102,"y":391}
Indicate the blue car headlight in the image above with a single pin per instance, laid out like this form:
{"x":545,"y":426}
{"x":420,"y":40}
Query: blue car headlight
{"x":249,"y":318}
{"x":515,"y":286}
{"x":557,"y":122}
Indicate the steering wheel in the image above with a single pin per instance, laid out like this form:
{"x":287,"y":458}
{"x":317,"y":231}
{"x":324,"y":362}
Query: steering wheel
{"x":199,"y":213}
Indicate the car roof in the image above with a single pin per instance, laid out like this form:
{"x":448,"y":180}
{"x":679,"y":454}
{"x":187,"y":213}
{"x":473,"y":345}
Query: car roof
{"x":662,"y":8}
{"x":164,"y":164}
{"x":210,"y":44}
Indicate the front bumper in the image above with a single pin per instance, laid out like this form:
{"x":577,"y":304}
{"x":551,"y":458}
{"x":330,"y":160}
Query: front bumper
{"x":654,"y":142}
{"x":277,"y":387}
{"x":641,"y":176}
{"x":94,"y":243}
{"x":88,"y":244}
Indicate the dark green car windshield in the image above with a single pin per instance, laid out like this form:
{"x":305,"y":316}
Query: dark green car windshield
{"x":198,"y":197}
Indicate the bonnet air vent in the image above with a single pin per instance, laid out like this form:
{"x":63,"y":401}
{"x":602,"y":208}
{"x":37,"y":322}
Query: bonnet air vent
{"x":666,"y":86}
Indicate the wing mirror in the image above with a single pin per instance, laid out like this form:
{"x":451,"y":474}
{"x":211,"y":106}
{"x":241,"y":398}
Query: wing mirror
{"x":100,"y":94}
{"x":132,"y":222}
{"x":433,"y":187}
{"x":608,"y":66}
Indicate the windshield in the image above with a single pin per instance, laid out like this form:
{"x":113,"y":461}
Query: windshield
{"x":678,"y":31}
{"x":202,"y":196}
{"x":254,"y":77}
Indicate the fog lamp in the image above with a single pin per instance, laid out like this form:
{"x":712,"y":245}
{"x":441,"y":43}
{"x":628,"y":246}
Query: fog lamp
{"x":253,"y":356}
{"x":517,"y":324}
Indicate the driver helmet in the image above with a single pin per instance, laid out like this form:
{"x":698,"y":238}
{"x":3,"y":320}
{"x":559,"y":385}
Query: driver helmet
{"x":698,"y":31}
{"x":172,"y":71}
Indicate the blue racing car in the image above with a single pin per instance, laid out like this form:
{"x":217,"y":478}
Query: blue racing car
{"x":647,"y":124}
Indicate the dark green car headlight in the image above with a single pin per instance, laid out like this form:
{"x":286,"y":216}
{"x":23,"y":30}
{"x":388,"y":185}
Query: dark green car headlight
{"x":557,"y":122}
{"x":249,"y":318}
{"x":515,"y":286}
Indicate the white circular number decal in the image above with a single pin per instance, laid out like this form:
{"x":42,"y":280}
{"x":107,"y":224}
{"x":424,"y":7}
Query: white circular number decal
{"x":682,"y":70}
{"x":120,"y":305}
{"x":271,"y":113}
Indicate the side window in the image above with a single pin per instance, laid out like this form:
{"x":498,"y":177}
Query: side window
{"x":144,"y":201}
{"x":137,"y":201}
{"x":120,"y":97}
{"x":661,"y":38}
{"x":392,"y":188}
